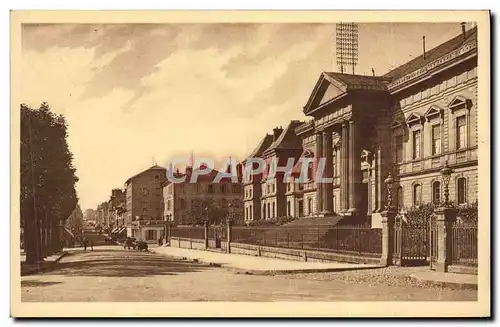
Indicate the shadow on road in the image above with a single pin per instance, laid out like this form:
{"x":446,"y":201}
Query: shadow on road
{"x":37,"y":283}
{"x":123,"y":263}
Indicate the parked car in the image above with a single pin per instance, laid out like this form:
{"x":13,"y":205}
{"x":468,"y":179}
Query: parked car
{"x":130,"y":243}
{"x":142,"y":246}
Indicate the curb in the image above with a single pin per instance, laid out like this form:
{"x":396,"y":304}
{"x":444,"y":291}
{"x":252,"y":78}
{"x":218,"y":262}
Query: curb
{"x":267,"y":272}
{"x":454,"y":285}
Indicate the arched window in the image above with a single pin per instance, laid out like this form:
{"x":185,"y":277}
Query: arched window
{"x":436,"y":192}
{"x":399,"y":197}
{"x":461,"y":190}
{"x":417,"y":195}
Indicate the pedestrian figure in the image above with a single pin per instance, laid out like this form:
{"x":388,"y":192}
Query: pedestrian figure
{"x":85,"y":243}
{"x":160,"y":241}
{"x":91,"y":246}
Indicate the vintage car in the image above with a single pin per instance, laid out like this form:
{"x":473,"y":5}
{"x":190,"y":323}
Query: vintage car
{"x":142,"y":246}
{"x":130,"y":243}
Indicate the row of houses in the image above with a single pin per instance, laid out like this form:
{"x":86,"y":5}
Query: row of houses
{"x":406,"y":123}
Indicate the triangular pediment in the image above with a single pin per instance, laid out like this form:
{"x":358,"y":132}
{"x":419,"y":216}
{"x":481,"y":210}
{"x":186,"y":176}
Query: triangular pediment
{"x":326,"y":89}
{"x":396,"y":124}
{"x":414,"y":119}
{"x":433,"y":112}
{"x":458,"y":102}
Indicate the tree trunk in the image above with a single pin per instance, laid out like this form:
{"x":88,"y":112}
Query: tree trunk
{"x":30,"y":239}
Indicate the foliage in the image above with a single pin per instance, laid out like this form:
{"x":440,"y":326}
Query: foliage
{"x":468,"y":214}
{"x":47,"y":190}
{"x":75,"y":221}
{"x":420,"y":215}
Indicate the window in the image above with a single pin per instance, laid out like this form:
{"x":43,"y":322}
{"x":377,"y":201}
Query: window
{"x":246,"y":213}
{"x":168,"y":204}
{"x":251,"y":212}
{"x":461,"y":190}
{"x":288,"y":187}
{"x":268,"y":189}
{"x":461,"y":132}
{"x":417,"y":195}
{"x":264,"y":211}
{"x":399,"y":197}
{"x":436,"y":192}
{"x":399,"y":148}
{"x":269,"y":210}
{"x":274,"y":187}
{"x":151,"y":234}
{"x":334,"y":170}
{"x":288,"y":208}
{"x":436,"y":139}
{"x":274,"y":212}
{"x":416,"y":144}
{"x":250,"y":192}
{"x":310,"y":205}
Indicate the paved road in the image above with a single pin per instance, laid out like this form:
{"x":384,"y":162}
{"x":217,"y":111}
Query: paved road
{"x":114,"y":274}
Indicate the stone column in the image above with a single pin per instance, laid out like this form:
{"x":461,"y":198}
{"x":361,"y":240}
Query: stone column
{"x":388,"y":218}
{"x":344,"y":171}
{"x":319,"y":186}
{"x":445,"y":217}
{"x":229,"y":230}
{"x":354,"y":167}
{"x":327,"y":188}
{"x":206,"y":234}
{"x":378,"y":180}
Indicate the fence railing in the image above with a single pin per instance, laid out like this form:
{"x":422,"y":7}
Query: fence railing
{"x":464,"y":244}
{"x":360,"y":240}
{"x":188,"y":232}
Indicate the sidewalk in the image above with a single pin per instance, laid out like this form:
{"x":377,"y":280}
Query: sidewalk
{"x":460,"y":281}
{"x":29,"y":269}
{"x":257,"y":265}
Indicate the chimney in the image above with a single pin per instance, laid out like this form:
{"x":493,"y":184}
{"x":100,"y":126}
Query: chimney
{"x":373,"y":72}
{"x":276,"y":133}
{"x":423,"y":44}
{"x":463,"y":29}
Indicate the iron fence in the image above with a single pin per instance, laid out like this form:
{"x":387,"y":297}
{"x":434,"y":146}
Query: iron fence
{"x":188,"y":232}
{"x":359,"y":240}
{"x":464,"y":244}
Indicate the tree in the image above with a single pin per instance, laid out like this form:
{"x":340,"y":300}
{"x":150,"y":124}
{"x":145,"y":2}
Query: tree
{"x":47,"y":193}
{"x":75,"y":221}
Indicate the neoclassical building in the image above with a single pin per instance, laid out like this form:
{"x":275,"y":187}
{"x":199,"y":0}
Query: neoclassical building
{"x":408,"y":122}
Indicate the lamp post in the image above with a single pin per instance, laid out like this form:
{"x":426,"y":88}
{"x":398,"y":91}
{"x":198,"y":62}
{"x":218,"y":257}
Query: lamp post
{"x":387,"y":218}
{"x":446,"y":174}
{"x":389,"y":181}
{"x":206,"y":227}
{"x":445,"y":216}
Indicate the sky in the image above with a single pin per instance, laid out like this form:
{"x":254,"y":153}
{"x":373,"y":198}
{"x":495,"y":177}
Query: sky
{"x":138,"y":94}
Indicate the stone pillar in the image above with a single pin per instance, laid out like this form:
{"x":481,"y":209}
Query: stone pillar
{"x":388,"y":218}
{"x":319,"y":186}
{"x":327,"y":188}
{"x":378,"y":180}
{"x":206,"y":234}
{"x":445,"y":217}
{"x":344,"y":171}
{"x":229,"y":230}
{"x":354,"y":167}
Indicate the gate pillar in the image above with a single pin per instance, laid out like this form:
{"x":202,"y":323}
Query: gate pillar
{"x":445,"y":217}
{"x":388,"y":217}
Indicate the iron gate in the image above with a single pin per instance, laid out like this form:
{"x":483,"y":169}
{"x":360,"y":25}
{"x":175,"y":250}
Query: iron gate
{"x":433,"y":240}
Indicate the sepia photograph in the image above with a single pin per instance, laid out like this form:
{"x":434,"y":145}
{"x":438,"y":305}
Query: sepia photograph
{"x":186,"y":163}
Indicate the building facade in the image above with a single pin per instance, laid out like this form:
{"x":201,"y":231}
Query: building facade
{"x":186,"y":202}
{"x":144,"y":204}
{"x":408,"y":122}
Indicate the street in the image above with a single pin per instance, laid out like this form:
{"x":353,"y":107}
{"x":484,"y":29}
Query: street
{"x":112,"y":274}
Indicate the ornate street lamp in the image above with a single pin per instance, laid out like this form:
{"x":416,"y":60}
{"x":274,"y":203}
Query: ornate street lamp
{"x":389,"y":181}
{"x":446,"y":173}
